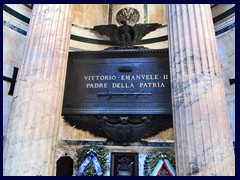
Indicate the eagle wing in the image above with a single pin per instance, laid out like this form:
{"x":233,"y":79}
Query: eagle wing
{"x":141,"y":30}
{"x":107,"y":30}
{"x":88,"y":123}
{"x":159,"y":123}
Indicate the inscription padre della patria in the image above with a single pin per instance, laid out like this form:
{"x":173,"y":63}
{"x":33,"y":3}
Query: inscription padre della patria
{"x":122,"y":95}
{"x":119,"y":84}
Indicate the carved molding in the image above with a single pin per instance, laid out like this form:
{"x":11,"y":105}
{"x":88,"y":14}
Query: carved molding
{"x":144,"y":51}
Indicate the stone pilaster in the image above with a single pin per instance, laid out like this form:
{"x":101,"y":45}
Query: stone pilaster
{"x":203,"y":142}
{"x":31,"y":139}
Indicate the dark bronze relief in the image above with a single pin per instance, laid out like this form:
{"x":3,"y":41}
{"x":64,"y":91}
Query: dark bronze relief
{"x":126,"y":128}
{"x":130,"y":15}
{"x":126,"y":36}
{"x":64,"y":166}
{"x":125,"y":167}
{"x":124,"y":164}
{"x":122,"y":95}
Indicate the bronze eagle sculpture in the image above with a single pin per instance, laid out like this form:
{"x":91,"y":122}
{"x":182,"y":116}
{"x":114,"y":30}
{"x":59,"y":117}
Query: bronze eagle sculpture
{"x":125,"y":35}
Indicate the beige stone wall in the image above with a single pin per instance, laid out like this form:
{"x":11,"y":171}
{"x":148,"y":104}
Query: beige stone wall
{"x":157,"y":13}
{"x":85,"y":16}
{"x":13,"y":47}
{"x":90,"y":14}
{"x":226,"y":48}
{"x":11,"y":41}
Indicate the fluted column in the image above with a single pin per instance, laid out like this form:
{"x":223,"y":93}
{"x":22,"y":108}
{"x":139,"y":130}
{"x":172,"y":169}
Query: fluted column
{"x":203,"y":143}
{"x":32,"y":132}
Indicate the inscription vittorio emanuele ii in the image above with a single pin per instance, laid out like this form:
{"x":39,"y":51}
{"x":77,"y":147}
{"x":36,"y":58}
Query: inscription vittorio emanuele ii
{"x":126,"y":81}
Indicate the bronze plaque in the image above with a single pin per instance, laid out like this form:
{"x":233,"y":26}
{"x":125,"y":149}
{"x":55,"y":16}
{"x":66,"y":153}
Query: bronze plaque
{"x":118,"y":82}
{"x":124,"y":164}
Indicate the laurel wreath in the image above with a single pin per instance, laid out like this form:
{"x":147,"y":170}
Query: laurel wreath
{"x":81,"y":155}
{"x":152,"y":160}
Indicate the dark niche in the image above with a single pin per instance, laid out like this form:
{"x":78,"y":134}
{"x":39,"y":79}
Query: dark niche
{"x":124,"y":164}
{"x":64,"y":166}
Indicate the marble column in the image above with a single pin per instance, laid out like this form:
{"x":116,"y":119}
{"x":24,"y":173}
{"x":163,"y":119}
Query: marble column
{"x":32,"y":132}
{"x":203,"y":143}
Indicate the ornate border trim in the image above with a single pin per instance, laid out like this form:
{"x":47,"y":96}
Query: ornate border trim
{"x":121,"y":52}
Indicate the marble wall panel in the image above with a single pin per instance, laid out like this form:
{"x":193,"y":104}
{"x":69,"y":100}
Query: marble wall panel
{"x":7,"y":102}
{"x":157,"y":13}
{"x":90,"y":14}
{"x":13,"y":47}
